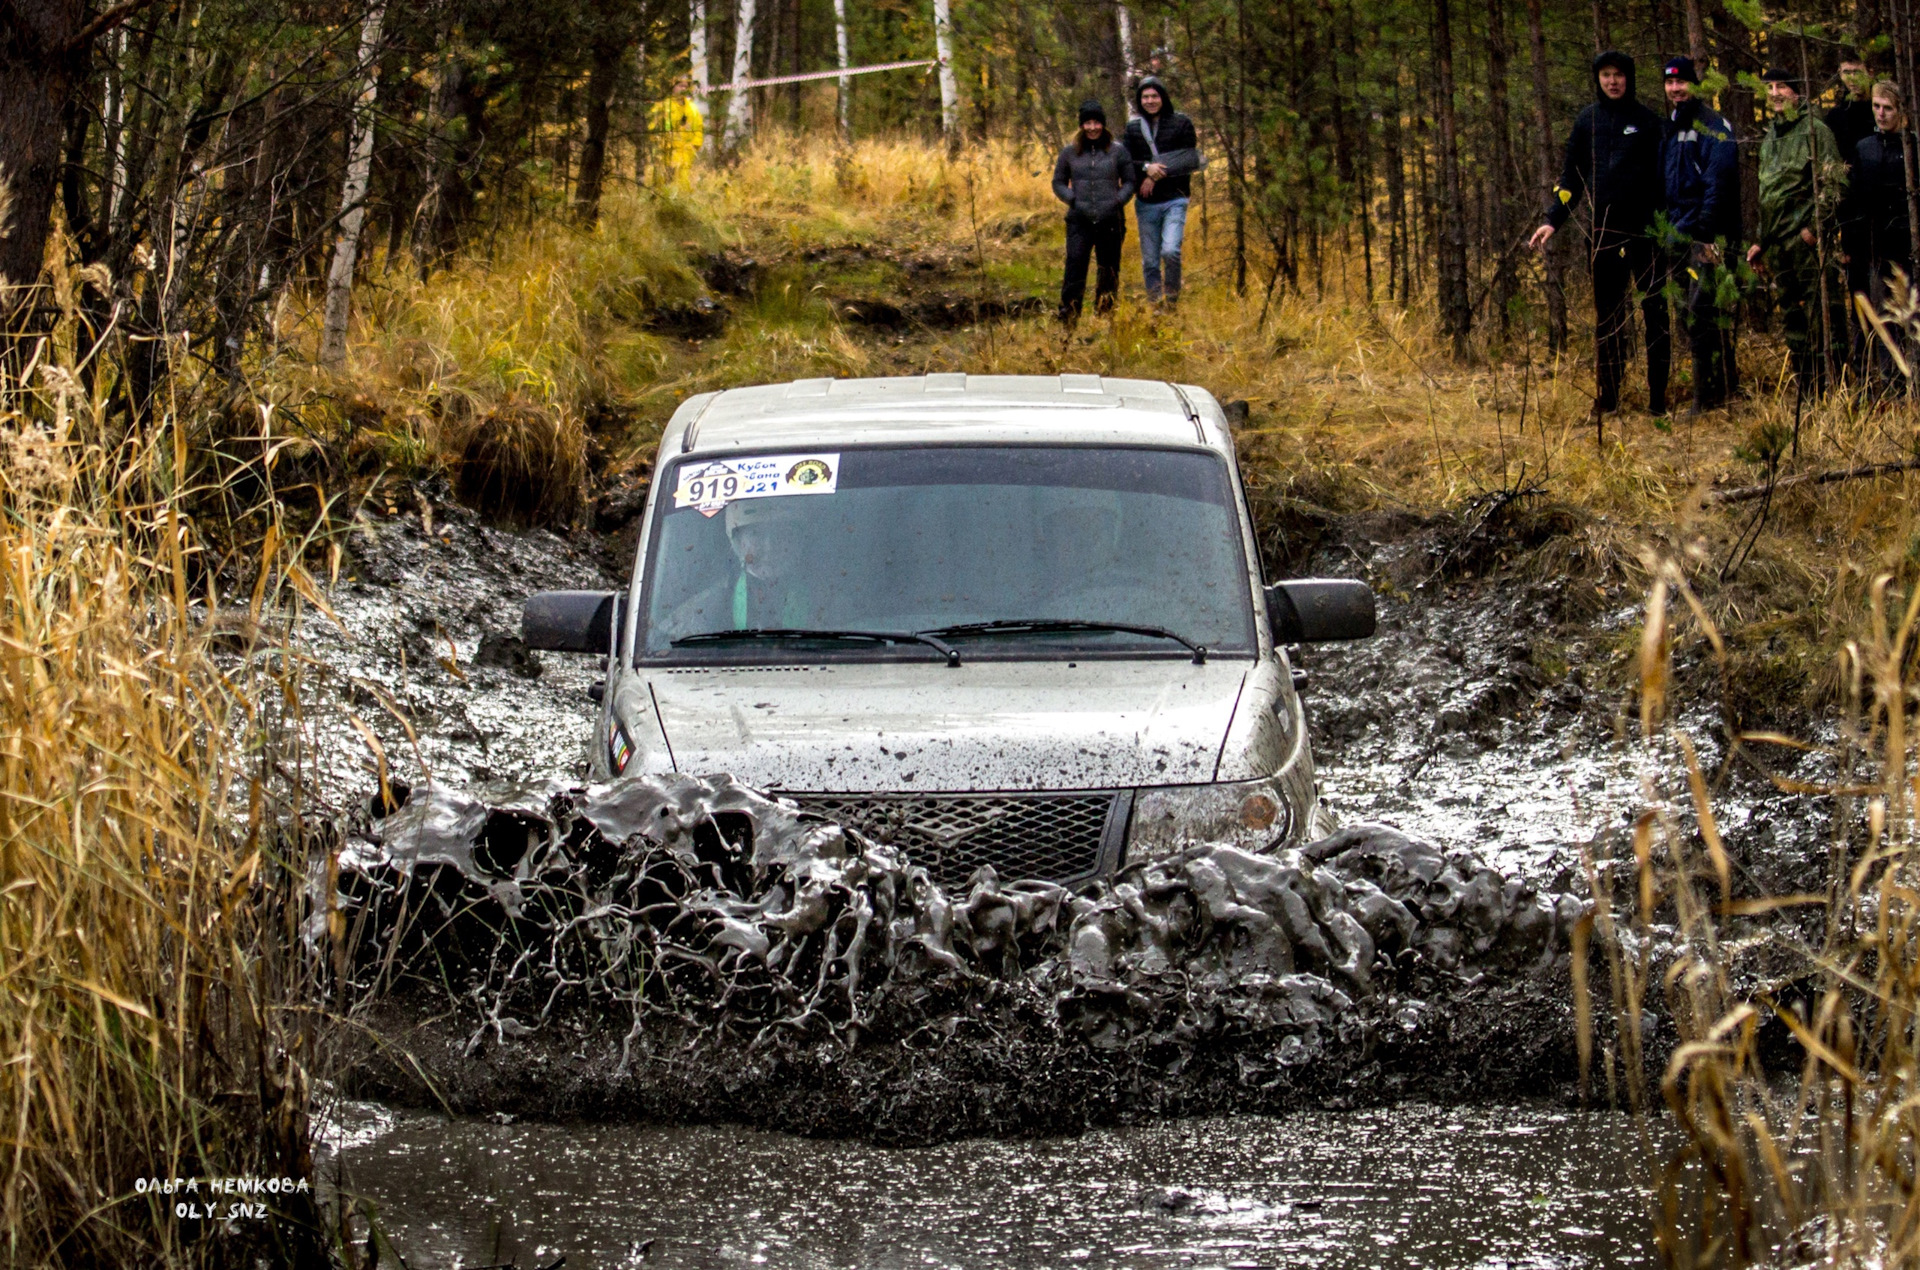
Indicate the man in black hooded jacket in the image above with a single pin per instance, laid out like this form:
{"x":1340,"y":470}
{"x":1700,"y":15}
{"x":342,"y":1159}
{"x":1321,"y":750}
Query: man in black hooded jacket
{"x":1614,"y":159}
{"x":1166,"y":154}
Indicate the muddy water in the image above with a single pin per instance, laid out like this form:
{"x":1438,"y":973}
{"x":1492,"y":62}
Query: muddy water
{"x":1411,"y":1186}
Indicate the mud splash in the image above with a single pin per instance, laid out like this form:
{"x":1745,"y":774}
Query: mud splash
{"x":673,"y":948}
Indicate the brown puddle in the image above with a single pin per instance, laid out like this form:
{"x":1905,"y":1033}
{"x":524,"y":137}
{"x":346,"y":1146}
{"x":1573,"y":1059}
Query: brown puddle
{"x":1521,"y":1185}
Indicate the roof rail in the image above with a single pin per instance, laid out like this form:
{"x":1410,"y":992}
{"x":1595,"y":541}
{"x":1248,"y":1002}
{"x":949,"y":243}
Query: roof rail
{"x":686,"y":438}
{"x":1199,"y":428}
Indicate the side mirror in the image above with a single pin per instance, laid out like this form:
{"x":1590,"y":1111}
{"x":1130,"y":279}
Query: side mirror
{"x":570,"y":621}
{"x":1319,"y":610}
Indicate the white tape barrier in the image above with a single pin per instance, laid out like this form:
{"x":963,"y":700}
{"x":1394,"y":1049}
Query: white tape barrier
{"x":835,"y":74}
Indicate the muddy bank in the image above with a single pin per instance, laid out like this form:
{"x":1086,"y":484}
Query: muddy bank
{"x":423,"y":648}
{"x":1493,"y":709}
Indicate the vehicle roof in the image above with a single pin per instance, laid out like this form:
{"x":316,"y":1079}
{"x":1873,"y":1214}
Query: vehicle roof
{"x":951,"y":408}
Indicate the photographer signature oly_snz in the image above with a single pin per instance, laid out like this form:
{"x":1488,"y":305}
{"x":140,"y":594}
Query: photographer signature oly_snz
{"x":221,"y":1198}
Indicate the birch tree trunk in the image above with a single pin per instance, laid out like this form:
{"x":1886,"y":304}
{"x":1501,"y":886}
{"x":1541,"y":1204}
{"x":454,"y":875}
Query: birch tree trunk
{"x":114,"y":122}
{"x":1125,"y":20}
{"x":949,"y":90}
{"x":353,"y":198}
{"x":740,"y":100}
{"x":702,"y":84}
{"x":846,"y":81}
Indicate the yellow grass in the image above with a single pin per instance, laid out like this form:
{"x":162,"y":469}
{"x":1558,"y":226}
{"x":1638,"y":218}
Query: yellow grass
{"x":148,"y":983}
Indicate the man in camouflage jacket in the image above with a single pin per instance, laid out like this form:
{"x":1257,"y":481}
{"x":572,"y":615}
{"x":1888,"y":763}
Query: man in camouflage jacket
{"x":1802,"y":180}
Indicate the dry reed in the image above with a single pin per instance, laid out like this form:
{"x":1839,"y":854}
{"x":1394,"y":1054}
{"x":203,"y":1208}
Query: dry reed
{"x":150,"y":980}
{"x":1790,"y":1067}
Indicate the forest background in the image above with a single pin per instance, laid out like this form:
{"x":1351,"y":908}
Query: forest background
{"x":230,"y":142}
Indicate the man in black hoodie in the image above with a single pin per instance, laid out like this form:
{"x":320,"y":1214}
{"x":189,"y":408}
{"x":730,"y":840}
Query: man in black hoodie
{"x":1613,"y":158}
{"x":1166,"y":153}
{"x":1851,"y":122}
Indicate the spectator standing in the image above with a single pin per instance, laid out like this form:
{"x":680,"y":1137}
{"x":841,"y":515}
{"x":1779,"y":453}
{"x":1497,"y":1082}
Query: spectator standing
{"x":1851,"y":122}
{"x":1165,"y":152}
{"x":1702,"y":165}
{"x":1094,"y":177}
{"x":1802,"y":181}
{"x":680,"y":130}
{"x":1873,"y":219}
{"x":1851,"y":119}
{"x":1614,"y":160}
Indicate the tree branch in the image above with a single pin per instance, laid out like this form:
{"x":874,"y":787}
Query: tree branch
{"x":1747,"y":493}
{"x":101,"y":24}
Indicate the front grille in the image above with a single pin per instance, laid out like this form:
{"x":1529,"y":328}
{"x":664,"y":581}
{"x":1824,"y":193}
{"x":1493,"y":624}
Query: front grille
{"x":1062,"y":838}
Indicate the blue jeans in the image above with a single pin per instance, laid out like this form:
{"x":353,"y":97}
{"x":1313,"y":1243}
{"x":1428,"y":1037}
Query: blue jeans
{"x":1163,"y":227}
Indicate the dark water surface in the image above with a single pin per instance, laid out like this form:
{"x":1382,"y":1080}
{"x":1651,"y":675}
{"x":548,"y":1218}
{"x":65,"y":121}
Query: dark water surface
{"x":1529,"y":1185}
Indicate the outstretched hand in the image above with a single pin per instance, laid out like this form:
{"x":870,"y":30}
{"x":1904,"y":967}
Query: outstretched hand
{"x":1753,"y":254}
{"x":1540,"y":237}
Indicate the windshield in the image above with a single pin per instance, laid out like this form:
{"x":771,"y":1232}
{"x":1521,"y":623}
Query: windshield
{"x":937,"y":538}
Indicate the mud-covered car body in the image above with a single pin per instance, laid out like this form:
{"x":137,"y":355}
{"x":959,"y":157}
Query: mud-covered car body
{"x":1119,"y":683}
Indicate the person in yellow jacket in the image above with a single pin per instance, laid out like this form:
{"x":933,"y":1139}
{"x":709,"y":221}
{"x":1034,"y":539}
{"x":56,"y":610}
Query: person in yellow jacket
{"x":679,"y":131}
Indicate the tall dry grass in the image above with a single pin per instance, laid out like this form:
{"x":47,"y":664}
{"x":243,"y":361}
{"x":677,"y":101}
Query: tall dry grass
{"x":151,"y":876}
{"x":1789,"y":1056}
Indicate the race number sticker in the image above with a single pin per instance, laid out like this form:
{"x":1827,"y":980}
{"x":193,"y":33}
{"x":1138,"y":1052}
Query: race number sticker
{"x":709,"y":487}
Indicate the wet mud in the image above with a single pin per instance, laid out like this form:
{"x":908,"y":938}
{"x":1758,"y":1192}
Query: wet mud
{"x":1491,"y":710}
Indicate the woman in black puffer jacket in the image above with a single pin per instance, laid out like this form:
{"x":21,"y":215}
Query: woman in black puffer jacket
{"x":1094,"y":177}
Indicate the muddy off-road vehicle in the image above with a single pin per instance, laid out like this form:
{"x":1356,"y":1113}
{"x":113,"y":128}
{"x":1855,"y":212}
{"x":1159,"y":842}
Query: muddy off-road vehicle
{"x":1006,"y":620}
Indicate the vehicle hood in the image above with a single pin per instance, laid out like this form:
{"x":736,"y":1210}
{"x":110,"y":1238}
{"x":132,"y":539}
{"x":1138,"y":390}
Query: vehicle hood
{"x":985,"y":725}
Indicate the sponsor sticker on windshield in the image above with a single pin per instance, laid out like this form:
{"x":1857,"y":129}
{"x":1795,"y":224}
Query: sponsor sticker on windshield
{"x":709,"y":487}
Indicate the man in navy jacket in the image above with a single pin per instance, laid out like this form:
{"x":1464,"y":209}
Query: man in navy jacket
{"x":1702,"y":163}
{"x":1613,"y":158}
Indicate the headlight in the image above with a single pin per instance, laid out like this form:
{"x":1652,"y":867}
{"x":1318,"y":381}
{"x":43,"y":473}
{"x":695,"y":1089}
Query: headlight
{"x":1166,"y":818}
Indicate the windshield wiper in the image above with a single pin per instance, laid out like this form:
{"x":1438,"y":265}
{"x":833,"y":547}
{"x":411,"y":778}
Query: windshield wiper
{"x":929,"y":638}
{"x":1041,"y":626}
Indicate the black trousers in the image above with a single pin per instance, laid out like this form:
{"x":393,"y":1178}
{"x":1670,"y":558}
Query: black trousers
{"x":1709,"y":327}
{"x":1861,"y":343}
{"x":1099,"y":240}
{"x":1620,"y":270}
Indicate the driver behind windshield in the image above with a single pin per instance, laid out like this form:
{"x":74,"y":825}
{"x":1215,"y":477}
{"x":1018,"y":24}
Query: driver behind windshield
{"x":769,"y":587}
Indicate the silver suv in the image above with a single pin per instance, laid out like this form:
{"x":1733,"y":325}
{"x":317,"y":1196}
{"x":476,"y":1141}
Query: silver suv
{"x":1008,"y":620}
